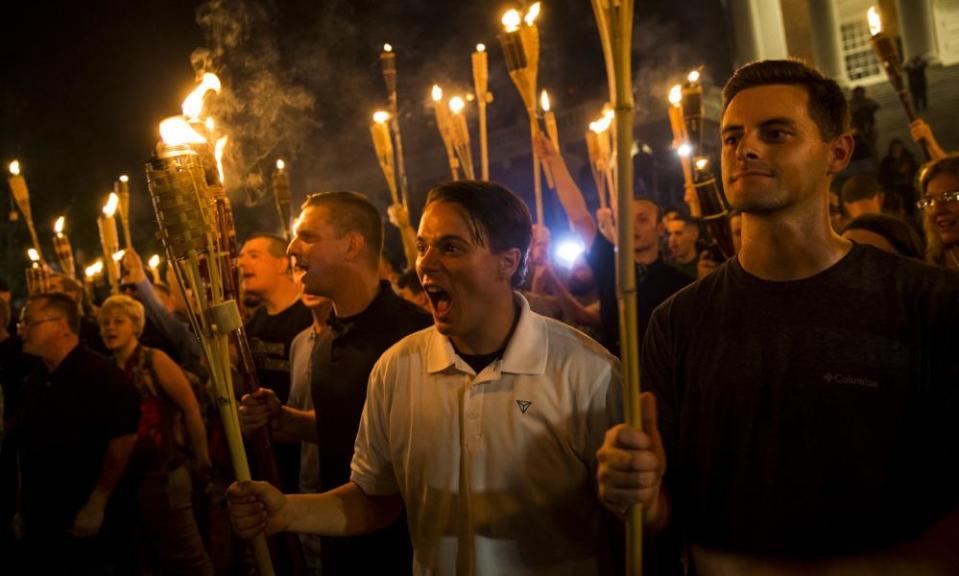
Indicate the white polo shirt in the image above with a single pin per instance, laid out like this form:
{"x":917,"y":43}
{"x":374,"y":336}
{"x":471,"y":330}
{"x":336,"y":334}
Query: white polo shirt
{"x":496,"y":468}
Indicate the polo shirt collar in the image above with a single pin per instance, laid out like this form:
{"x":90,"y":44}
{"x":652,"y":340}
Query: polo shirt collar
{"x":526,"y":352}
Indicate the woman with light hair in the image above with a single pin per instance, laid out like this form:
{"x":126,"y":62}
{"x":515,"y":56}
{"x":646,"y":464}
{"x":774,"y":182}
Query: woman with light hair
{"x":170,"y":537}
{"x":939,"y":202}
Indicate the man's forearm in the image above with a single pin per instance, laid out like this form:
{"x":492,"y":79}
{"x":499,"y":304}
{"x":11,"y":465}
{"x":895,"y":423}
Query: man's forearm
{"x":344,"y":511}
{"x":114,"y":463}
{"x":297,"y":425}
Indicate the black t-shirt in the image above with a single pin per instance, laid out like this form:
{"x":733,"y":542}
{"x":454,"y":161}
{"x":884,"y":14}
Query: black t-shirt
{"x":818,"y":416}
{"x":654,"y":284}
{"x":68,"y":419}
{"x":343,"y":357}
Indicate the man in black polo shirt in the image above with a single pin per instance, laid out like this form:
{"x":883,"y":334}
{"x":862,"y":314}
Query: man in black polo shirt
{"x":77,"y":429}
{"x":339,"y":237}
{"x":808,"y":389}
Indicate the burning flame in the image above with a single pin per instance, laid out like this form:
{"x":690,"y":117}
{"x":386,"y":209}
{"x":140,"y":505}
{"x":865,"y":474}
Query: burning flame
{"x":684,"y":150}
{"x":59,"y":224}
{"x":381,"y":116}
{"x":511,"y":20}
{"x":210,"y":124}
{"x":218,"y":155}
{"x":124,"y":178}
{"x":93,"y":269}
{"x":701,"y":163}
{"x":15,"y":167}
{"x":110,"y":208}
{"x":531,"y":14}
{"x":600,"y":125}
{"x":456,"y":104}
{"x":33,"y":254}
{"x":387,"y":47}
{"x":176,"y":130}
{"x":676,"y":95}
{"x":608,"y":113}
{"x":875,"y":21}
{"x":544,"y":101}
{"x":437,"y":93}
{"x":117,"y":256}
{"x":481,"y":47}
{"x":693,"y":76}
{"x":280,"y":164}
{"x":154,"y":261}
{"x":193,"y":104}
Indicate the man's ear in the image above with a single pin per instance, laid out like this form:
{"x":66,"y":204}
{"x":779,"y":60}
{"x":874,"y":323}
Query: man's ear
{"x":508,"y":264}
{"x":356,"y":247}
{"x":841,"y":150}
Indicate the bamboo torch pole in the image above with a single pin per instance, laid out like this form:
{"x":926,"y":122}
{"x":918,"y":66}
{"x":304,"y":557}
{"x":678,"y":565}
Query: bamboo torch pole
{"x":388,"y":63}
{"x":21,"y":194}
{"x":444,"y":127}
{"x":380,"y":131}
{"x":122,"y":189}
{"x":480,"y":85}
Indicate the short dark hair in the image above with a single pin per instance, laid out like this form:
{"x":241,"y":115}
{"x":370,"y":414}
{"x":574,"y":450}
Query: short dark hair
{"x":352,"y":212}
{"x":276,"y":246}
{"x":859,"y":187}
{"x":409,"y":280}
{"x":827,"y":104}
{"x":903,"y":237}
{"x":497,"y":217}
{"x":60,"y":303}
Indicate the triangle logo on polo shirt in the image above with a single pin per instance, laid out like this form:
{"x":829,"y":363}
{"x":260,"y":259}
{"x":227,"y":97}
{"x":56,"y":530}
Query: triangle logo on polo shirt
{"x":523,"y":405}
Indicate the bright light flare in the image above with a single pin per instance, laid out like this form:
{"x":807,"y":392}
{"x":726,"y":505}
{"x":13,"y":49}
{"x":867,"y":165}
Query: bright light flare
{"x":568,"y":251}
{"x":456,"y":104}
{"x":117,"y":256}
{"x":33,"y":255}
{"x":110,"y":208}
{"x":280,"y":164}
{"x":544,"y":101}
{"x":381,"y":116}
{"x":93,"y":269}
{"x":437,"y":93}
{"x":59,"y":224}
{"x":875,"y":21}
{"x":481,"y":47}
{"x":124,"y":178}
{"x":176,"y":130}
{"x":702,"y":163}
{"x":684,"y":150}
{"x":676,"y":95}
{"x":532,"y":14}
{"x":193,"y":104}
{"x":693,"y":76}
{"x":15,"y":167}
{"x":511,"y":20}
{"x":218,"y":155}
{"x":154,"y":261}
{"x":210,"y":124}
{"x":601,"y":125}
{"x":387,"y":47}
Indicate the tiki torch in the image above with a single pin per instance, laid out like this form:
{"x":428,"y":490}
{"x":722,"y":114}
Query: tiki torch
{"x":18,"y":186}
{"x":281,"y":193}
{"x":38,"y":275}
{"x":461,"y":136}
{"x":483,"y":97}
{"x":63,"y":249}
{"x":444,"y":126}
{"x":549,"y":119}
{"x":380,"y":131}
{"x":185,"y":193}
{"x":388,"y":63}
{"x":110,"y":240}
{"x":693,"y":110}
{"x":615,"y":20}
{"x":90,"y":275}
{"x":521,"y":50}
{"x":122,"y":189}
{"x":154,"y":264}
{"x":888,"y":56}
{"x":684,"y":149}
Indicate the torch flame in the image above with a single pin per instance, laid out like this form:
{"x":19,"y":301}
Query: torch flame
{"x":531,"y":14}
{"x":481,"y":47}
{"x":154,"y":261}
{"x":701,"y":163}
{"x":33,"y":254}
{"x":176,"y":130}
{"x":608,"y":113}
{"x":456,"y":104}
{"x":381,"y":116}
{"x":676,"y":95}
{"x":511,"y":20}
{"x":280,"y":164}
{"x":544,"y":101}
{"x":93,"y":269}
{"x":875,"y":21}
{"x":124,"y":178}
{"x":15,"y":167}
{"x":600,"y":125}
{"x":59,"y":224}
{"x":387,"y":47}
{"x":437,"y":93}
{"x":110,"y":208}
{"x":210,"y":124}
{"x":684,"y":150}
{"x":193,"y":104}
{"x":693,"y":76}
{"x":117,"y":256}
{"x":218,"y":155}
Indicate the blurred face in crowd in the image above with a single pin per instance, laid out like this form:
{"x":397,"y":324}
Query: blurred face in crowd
{"x":943,"y":217}
{"x":773,"y":155}
{"x":681,"y":237}
{"x":117,"y":330}
{"x":317,"y":251}
{"x":647,"y":229}
{"x":260,"y":271}
{"x":461,"y":277}
{"x":40,"y":327}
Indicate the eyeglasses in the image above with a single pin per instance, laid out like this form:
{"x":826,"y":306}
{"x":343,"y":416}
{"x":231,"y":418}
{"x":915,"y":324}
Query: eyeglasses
{"x":944,"y":198}
{"x":27,"y":324}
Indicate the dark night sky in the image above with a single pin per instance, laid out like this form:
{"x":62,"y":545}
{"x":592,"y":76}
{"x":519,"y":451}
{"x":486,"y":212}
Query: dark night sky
{"x":85,"y":85}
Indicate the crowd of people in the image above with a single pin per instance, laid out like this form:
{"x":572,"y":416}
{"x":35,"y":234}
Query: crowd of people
{"x":800,"y":407}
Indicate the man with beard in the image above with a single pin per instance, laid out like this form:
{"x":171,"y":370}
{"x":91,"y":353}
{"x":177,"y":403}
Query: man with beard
{"x":483,"y":425}
{"x":806,"y":389}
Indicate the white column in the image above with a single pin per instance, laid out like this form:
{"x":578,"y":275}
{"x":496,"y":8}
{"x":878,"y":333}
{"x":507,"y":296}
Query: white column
{"x":758,"y":30}
{"x":826,"y":43}
{"x":917,"y":29}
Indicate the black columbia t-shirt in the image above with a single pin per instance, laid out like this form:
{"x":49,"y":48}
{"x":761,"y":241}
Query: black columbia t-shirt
{"x":817,"y":416}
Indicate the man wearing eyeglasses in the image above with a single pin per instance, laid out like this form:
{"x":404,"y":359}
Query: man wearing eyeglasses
{"x":76,"y":431}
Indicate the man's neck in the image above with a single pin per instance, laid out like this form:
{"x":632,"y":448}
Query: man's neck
{"x":53,"y":358}
{"x":647,"y":256}
{"x":783,"y":246}
{"x":686,"y":258}
{"x":494,"y":332}
{"x":320,"y":315}
{"x":356,"y":291}
{"x":282,"y":297}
